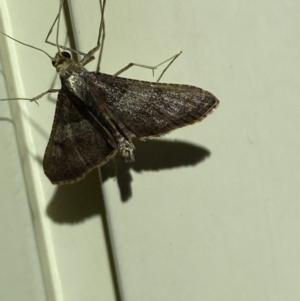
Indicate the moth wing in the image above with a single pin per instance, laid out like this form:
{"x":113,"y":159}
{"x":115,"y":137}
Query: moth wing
{"x":75,"y":145}
{"x":152,"y":109}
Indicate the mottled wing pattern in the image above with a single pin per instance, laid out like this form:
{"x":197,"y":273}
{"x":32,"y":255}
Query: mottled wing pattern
{"x":75,"y":146}
{"x":151,"y":109}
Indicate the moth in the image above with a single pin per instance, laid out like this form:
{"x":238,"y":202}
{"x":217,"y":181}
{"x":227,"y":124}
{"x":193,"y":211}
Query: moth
{"x":98,"y":115}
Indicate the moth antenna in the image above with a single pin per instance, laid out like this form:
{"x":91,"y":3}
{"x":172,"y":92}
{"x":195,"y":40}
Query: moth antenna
{"x":90,"y":55}
{"x":57,"y":29}
{"x":101,"y":23}
{"x":60,"y":46}
{"x":36,"y":48}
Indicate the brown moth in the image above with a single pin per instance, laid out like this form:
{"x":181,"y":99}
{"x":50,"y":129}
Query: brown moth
{"x":97,"y":114}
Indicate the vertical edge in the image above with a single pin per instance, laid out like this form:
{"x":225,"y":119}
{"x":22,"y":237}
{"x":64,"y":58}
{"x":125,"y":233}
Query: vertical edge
{"x":30,"y":167}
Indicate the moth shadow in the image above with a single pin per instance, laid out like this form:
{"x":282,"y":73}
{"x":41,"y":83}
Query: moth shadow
{"x":76,"y":202}
{"x":154,"y":155}
{"x":73,"y":203}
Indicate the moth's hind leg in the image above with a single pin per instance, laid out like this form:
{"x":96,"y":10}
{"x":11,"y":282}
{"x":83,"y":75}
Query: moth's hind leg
{"x":170,"y":60}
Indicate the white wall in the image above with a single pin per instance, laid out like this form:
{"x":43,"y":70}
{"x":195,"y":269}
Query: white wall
{"x":225,"y":228}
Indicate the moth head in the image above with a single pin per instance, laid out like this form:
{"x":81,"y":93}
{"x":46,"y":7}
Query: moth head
{"x":62,"y":61}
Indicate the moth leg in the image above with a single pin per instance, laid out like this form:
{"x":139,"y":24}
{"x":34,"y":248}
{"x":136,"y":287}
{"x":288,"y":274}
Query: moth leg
{"x":51,"y":29}
{"x":171,"y":59}
{"x":36,"y":97}
{"x":90,"y":55}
